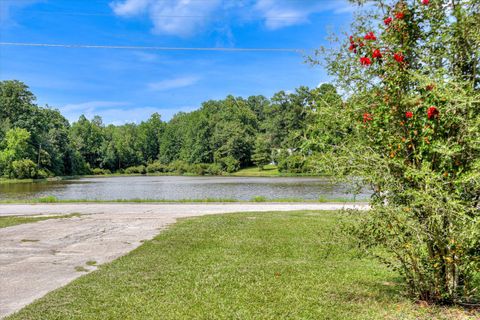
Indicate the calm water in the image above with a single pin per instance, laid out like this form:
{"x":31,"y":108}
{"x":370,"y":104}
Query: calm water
{"x":177,"y":188}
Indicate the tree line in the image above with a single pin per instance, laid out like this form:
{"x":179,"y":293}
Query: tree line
{"x":221,"y":136}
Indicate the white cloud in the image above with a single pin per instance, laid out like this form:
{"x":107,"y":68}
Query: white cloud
{"x":113,"y":112}
{"x":91,"y":108}
{"x":165,"y":14}
{"x":145,"y":56}
{"x":174,"y":83}
{"x":130,"y":7}
{"x":187,"y":17}
{"x":7,"y":8}
{"x":121,"y":116}
{"x":283,"y":13}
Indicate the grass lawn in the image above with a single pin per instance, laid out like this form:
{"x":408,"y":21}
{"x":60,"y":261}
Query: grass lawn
{"x":269,"y":170}
{"x":283,"y":265}
{"x":52,"y":199}
{"x":14,"y":220}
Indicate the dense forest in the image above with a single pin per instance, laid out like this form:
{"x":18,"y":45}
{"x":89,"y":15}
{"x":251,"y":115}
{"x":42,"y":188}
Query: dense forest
{"x":221,"y":136}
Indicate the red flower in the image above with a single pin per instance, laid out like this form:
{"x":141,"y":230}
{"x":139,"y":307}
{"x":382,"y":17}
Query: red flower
{"x":432,"y":112}
{"x":370,"y":36}
{"x":426,"y":2}
{"x":367,"y":117}
{"x":376,"y":54}
{"x":430,"y":87}
{"x":353,"y":47}
{"x":365,"y":61}
{"x":398,"y":57}
{"x":387,"y":21}
{"x":400,"y":15}
{"x":409,"y":114}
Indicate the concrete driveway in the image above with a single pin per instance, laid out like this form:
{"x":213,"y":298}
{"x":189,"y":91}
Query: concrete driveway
{"x":39,"y":257}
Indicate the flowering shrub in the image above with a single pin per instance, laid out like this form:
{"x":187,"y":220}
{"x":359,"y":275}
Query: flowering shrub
{"x":413,"y":85}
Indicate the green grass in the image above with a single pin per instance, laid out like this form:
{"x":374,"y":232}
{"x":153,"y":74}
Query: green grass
{"x":9,"y":221}
{"x":268,"y":171}
{"x":284,"y":265}
{"x":52,"y":199}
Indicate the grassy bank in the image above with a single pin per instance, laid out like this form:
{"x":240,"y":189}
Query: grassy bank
{"x":51,"y":199}
{"x":15,"y":220}
{"x":268,"y":171}
{"x":240,"y":266}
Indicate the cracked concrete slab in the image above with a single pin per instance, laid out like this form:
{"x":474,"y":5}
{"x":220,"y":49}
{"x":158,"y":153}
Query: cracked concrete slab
{"x":39,"y":257}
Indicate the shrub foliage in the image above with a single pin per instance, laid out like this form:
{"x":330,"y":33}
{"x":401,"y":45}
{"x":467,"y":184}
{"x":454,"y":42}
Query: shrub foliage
{"x":410,"y":70}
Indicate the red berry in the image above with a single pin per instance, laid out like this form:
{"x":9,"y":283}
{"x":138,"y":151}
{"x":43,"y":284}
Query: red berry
{"x":376,"y":54}
{"x":367,"y":117}
{"x":365,"y":61}
{"x":432,"y":112}
{"x":398,"y":57}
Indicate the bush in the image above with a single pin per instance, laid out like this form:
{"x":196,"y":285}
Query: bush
{"x":230,"y":164}
{"x":199,"y":169}
{"x":156,"y":167}
{"x":179,"y":167}
{"x":415,"y":133}
{"x":100,"y":171}
{"x":23,"y":169}
{"x":43,"y":174}
{"x":136,"y":170}
{"x":294,"y":163}
{"x":214,"y":169}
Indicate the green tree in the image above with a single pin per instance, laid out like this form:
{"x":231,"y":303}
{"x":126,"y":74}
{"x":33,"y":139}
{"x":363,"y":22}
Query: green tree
{"x":23,"y":169}
{"x":262,"y":153}
{"x":16,"y":101}
{"x":172,"y":139}
{"x":15,"y":148}
{"x":234,"y":130}
{"x":49,"y":143}
{"x":149,"y":135}
{"x":88,"y":137}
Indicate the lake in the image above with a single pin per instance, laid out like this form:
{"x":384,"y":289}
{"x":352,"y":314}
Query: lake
{"x":178,"y":188}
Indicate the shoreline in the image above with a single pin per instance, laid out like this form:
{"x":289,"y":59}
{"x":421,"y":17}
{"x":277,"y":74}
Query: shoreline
{"x":237,"y":174}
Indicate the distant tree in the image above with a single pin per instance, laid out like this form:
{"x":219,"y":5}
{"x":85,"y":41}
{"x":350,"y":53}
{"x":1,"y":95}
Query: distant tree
{"x":171,"y":140}
{"x":16,"y":148}
{"x":88,"y":137}
{"x":324,"y":129}
{"x":234,"y":131}
{"x":149,"y":135}
{"x":227,"y":133}
{"x":262,"y":153}
{"x":16,"y":101}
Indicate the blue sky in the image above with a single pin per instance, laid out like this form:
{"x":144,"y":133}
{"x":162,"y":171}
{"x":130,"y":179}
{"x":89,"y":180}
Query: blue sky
{"x":129,"y":85}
